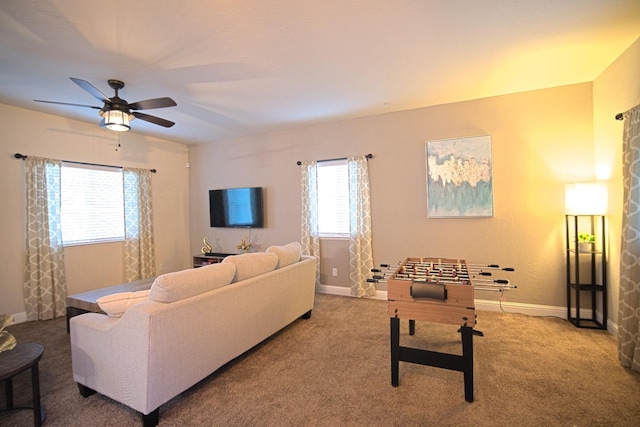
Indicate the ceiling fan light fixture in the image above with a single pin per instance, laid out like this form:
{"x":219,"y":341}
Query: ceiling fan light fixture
{"x":116,"y":112}
{"x":116,"y":120}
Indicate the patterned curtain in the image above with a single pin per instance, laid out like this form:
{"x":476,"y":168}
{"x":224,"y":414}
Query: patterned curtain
{"x":310,"y":238}
{"x":139,"y":251}
{"x":629,"y":304}
{"x":360,"y":251}
{"x":45,"y":287}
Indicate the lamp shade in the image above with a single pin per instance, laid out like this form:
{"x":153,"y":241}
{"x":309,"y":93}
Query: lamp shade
{"x":116,"y":120}
{"x":586,"y":198}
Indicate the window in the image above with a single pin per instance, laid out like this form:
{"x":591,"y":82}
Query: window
{"x":333,"y":198}
{"x":92,"y":204}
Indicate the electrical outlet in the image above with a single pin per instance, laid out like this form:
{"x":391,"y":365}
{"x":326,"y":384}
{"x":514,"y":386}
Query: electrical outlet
{"x":334,"y":272}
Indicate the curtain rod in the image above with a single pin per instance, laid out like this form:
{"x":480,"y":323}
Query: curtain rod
{"x":22,"y":156}
{"x":368,"y":156}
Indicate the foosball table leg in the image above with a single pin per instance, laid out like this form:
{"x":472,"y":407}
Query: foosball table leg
{"x":467,"y":359}
{"x":412,"y":327}
{"x":395,"y":350}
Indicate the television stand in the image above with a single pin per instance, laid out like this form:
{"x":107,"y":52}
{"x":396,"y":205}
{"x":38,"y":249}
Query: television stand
{"x":201,"y":260}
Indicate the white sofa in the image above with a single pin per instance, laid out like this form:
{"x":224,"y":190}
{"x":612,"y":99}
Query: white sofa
{"x":191,"y":323}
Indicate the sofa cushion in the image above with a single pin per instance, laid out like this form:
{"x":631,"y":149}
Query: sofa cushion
{"x":287,"y":254}
{"x":183,"y":284}
{"x":252,"y":264}
{"x":116,"y":304}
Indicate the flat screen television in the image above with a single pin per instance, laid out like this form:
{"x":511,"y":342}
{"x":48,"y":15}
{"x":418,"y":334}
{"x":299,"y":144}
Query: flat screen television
{"x":236,"y":207}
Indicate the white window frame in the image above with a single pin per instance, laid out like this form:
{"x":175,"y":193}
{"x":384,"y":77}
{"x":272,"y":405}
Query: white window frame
{"x":333,"y":198}
{"x":92,"y":206}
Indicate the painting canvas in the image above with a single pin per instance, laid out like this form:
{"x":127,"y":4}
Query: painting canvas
{"x":459,"y":178}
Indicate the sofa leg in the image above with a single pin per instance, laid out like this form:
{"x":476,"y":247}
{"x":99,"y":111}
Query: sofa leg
{"x":307,"y":315}
{"x":85,"y":391}
{"x":151,"y":419}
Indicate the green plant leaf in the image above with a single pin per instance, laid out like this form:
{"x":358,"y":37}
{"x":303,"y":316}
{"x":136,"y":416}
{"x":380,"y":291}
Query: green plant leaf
{"x":7,"y":341}
{"x":5,"y":320}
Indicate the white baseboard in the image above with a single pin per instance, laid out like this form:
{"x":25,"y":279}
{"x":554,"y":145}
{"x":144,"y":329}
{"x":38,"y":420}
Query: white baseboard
{"x":490,"y":305}
{"x":346,"y":292}
{"x":521,"y":308}
{"x":20,"y":317}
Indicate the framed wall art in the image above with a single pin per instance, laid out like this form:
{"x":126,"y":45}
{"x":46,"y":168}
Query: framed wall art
{"x":459,"y":178}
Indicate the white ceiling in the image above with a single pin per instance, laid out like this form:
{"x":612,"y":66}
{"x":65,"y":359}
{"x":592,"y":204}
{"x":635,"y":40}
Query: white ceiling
{"x":238,"y":67}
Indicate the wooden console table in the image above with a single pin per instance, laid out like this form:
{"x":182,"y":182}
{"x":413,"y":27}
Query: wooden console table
{"x":201,"y":260}
{"x":86,"y":302}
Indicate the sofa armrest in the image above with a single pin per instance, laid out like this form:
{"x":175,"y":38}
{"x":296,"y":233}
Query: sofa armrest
{"x":111,"y":357}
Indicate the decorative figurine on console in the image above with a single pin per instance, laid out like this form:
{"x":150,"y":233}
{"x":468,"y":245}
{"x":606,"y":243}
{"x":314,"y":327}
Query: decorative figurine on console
{"x":245,"y":244}
{"x":206,"y":249}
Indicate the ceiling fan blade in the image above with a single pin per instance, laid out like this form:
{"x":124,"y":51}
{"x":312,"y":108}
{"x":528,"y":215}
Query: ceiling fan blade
{"x":91,"y":89}
{"x":67,"y":103}
{"x":153,"y":119}
{"x":149,"y":104}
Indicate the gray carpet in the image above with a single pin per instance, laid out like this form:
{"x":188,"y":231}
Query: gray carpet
{"x":334,"y":370}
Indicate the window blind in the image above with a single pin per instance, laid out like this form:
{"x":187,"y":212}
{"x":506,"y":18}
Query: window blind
{"x":333,"y":198}
{"x":92,"y":208}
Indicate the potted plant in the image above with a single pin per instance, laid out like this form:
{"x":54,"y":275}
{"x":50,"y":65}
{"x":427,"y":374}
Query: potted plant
{"x":585,"y":242}
{"x":7,"y":341}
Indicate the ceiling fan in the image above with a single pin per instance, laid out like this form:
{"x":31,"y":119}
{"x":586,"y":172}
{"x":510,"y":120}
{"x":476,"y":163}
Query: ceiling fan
{"x":116,"y":112}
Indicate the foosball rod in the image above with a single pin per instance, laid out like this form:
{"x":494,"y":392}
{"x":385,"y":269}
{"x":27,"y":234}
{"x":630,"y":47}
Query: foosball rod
{"x":491,"y":287}
{"x":457,"y":282}
{"x":489,"y":266}
{"x":469,"y":267}
{"x":472,"y":269}
{"x":445,"y":280}
{"x":498,"y":283}
{"x":436,"y":273}
{"x":443,"y":274}
{"x":432,"y":265}
{"x":438,"y":261}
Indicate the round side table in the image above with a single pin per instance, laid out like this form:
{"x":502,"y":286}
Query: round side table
{"x":15,"y":361}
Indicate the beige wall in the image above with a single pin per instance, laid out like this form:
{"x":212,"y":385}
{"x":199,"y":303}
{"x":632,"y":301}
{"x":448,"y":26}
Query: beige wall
{"x":540,"y":141}
{"x":92,"y":266}
{"x":616,"y":90}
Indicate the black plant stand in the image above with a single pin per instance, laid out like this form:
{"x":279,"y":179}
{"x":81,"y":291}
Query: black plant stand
{"x":586,"y":271}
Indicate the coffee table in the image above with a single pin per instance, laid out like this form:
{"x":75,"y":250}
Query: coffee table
{"x":15,"y":361}
{"x":86,"y":302}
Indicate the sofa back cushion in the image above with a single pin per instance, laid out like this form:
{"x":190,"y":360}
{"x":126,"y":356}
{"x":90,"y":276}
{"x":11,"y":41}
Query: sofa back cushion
{"x":287,"y":254}
{"x":183,"y":284}
{"x":252,"y":264}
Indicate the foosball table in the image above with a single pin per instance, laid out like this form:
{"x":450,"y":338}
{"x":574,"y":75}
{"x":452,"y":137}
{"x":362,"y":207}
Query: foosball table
{"x":441,"y":291}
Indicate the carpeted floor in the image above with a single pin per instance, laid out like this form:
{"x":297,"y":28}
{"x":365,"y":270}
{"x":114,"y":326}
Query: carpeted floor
{"x":334,"y":370}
